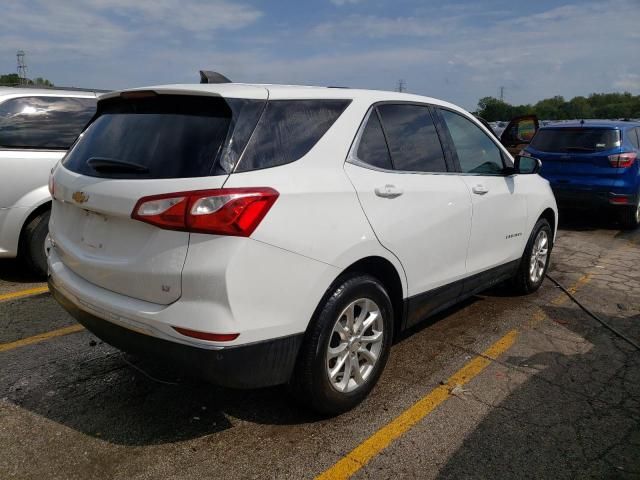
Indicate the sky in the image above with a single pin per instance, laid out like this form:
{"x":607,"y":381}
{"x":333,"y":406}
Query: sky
{"x":458,"y":51}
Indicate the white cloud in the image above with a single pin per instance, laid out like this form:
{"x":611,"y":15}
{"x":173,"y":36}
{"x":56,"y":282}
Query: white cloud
{"x":458,"y":54}
{"x":99,"y":27}
{"x":629,"y":82}
{"x":379,"y":27}
{"x":341,"y":3}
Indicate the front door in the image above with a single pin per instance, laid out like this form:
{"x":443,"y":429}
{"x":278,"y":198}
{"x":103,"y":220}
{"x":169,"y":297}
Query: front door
{"x":498,"y":208}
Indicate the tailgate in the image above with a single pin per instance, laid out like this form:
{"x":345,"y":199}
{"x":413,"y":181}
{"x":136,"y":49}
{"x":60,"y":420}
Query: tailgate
{"x":95,"y":237}
{"x":148,"y":144}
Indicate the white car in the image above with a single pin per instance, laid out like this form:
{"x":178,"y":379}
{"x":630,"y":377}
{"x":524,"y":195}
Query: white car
{"x":265,"y":234}
{"x":37,"y":126}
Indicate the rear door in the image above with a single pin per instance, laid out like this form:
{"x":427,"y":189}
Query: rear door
{"x":499,"y":210}
{"x":417,"y":209}
{"x":519,"y":132}
{"x":146,"y":144}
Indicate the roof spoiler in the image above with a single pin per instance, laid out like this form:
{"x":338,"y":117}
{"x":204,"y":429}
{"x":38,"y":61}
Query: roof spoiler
{"x":207,"y":76}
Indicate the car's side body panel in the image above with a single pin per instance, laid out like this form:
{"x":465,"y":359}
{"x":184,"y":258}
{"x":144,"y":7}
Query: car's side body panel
{"x":24,"y":174}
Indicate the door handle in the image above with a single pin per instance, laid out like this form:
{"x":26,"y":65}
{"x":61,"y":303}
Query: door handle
{"x":388,"y":191}
{"x":480,"y":189}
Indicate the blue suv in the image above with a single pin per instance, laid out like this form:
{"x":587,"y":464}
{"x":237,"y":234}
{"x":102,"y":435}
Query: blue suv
{"x":592,"y":164}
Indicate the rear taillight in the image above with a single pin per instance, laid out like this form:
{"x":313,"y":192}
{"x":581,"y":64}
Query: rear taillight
{"x":226,"y":211}
{"x":213,"y":337}
{"x":622,"y":160}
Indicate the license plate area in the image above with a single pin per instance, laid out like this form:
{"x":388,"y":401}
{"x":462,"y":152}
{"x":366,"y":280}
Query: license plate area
{"x":95,"y":231}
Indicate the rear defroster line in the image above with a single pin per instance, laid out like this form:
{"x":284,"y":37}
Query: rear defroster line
{"x":593,"y":315}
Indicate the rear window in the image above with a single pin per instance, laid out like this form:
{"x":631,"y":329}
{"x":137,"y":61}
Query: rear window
{"x":287,"y":131}
{"x":165,"y":136}
{"x":47,"y":123}
{"x":575,"y":139}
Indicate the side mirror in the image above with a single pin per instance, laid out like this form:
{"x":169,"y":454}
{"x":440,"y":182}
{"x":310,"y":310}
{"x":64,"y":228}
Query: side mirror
{"x":527,"y":165}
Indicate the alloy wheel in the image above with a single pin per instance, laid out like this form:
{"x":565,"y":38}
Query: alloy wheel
{"x":539,"y":255}
{"x":355,"y":345}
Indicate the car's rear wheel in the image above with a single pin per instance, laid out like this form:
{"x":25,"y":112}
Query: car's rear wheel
{"x":32,"y":248}
{"x":535,"y":260}
{"x":631,"y":216}
{"x":346,"y":346}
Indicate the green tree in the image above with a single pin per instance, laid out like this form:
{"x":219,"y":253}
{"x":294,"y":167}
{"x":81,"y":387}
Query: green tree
{"x":43,"y":82}
{"x":492,"y":109}
{"x":12,"y":79}
{"x":596,"y":105}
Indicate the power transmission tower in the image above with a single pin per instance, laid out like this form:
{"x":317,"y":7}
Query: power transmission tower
{"x":502,"y":94}
{"x":402,"y":86}
{"x":22,"y":67}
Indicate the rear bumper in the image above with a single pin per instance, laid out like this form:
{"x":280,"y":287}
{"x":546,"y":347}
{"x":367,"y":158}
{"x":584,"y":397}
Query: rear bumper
{"x":586,"y":199}
{"x":252,"y":365}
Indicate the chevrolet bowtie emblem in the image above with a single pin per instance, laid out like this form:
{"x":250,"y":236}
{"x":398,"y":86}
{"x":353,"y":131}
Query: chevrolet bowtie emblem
{"x":80,"y":197}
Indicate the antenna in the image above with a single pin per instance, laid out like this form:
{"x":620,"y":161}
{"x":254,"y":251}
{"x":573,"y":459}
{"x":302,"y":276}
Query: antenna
{"x":402,"y":86}
{"x":22,"y":67}
{"x":501,"y":90}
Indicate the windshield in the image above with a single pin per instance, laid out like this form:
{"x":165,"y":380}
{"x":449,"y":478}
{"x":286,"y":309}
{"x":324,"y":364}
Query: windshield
{"x":576,"y":139}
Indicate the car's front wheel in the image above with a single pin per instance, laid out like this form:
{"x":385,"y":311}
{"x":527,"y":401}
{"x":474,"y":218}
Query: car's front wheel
{"x":535,"y":260}
{"x":346,"y":346}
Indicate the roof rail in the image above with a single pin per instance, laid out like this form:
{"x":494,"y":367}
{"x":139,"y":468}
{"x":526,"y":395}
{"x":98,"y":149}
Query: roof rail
{"x":43,"y":87}
{"x":208,"y":76}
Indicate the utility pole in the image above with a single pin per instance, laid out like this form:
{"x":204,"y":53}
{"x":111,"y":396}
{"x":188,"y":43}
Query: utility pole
{"x":22,"y":67}
{"x":501,"y":93}
{"x":402,"y":86}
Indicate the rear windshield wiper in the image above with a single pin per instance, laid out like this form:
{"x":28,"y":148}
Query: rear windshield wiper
{"x":112,"y":165}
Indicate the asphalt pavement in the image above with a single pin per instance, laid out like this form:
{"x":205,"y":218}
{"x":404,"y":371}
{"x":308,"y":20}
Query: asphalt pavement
{"x":497,"y":387}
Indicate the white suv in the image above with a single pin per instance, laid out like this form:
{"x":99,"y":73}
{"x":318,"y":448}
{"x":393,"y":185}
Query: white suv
{"x":265,"y":234}
{"x":37,"y":126}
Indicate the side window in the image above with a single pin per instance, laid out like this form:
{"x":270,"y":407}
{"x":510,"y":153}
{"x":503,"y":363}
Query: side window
{"x":477,"y":153}
{"x":413,"y":140}
{"x":287,"y":131}
{"x":43,"y":122}
{"x":373,"y":147}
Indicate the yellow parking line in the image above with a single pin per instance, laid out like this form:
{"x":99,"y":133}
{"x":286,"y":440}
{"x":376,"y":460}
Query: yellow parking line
{"x":363,"y":453}
{"x":372,"y":446}
{"x":23,"y":293}
{"x":40,"y":337}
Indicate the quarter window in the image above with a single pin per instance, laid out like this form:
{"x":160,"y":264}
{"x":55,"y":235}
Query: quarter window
{"x":412,"y":138}
{"x":477,"y":153}
{"x":373,"y":147}
{"x":287,"y":131}
{"x":48,"y":123}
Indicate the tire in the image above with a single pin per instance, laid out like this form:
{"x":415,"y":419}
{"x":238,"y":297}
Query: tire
{"x":311,"y":383}
{"x":526,"y":280}
{"x":32,"y":248}
{"x":631,"y":216}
